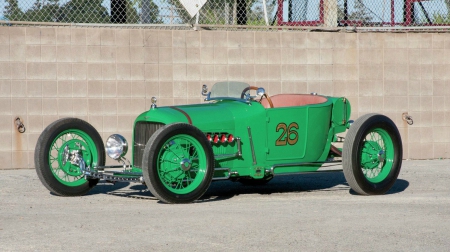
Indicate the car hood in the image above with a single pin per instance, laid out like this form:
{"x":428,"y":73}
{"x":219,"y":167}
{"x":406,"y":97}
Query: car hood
{"x":221,"y":116}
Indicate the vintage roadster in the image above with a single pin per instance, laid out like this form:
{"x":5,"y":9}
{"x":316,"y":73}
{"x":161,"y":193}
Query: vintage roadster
{"x":238,"y":134}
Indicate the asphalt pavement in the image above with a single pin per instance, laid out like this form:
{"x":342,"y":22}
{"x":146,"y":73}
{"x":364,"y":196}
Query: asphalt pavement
{"x":309,"y":212}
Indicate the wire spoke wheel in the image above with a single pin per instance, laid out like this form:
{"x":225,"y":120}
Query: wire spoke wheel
{"x":178,"y":163}
{"x":372,"y":154}
{"x":60,"y":149}
{"x":182,"y":164}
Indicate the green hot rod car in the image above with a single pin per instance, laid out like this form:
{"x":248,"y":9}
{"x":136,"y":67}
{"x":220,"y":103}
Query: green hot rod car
{"x":239,"y":134}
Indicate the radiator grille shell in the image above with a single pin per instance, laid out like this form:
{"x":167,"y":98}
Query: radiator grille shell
{"x":142,"y":133}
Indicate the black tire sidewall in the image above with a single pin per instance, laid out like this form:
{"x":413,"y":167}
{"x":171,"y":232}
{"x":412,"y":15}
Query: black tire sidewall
{"x":150,"y":163}
{"x":373,"y":122}
{"x":42,"y":160}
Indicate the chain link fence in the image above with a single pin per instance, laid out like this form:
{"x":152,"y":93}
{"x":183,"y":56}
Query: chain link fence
{"x":398,"y":14}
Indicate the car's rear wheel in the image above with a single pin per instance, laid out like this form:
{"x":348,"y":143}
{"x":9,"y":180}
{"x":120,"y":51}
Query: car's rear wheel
{"x":58,"y":150}
{"x":178,"y":163}
{"x":372,"y":154}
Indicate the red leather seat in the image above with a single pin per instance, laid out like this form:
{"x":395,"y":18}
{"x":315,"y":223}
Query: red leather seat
{"x":291,"y":100}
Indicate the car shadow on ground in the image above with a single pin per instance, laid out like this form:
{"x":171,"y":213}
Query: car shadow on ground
{"x":223,"y":190}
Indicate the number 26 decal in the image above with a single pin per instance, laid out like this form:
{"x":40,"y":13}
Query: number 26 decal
{"x":288,"y":134}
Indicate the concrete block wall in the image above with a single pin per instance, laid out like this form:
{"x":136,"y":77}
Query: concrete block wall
{"x":107,"y":76}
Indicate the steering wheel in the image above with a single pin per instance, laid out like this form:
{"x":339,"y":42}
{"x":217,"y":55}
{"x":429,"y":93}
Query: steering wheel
{"x":256,"y":88}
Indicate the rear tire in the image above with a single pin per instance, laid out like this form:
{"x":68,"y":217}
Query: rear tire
{"x":372,"y":154}
{"x":58,"y":174}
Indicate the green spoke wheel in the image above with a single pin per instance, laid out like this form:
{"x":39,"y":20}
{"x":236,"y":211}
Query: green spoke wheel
{"x":178,"y":163}
{"x":372,"y":154}
{"x":58,"y":151}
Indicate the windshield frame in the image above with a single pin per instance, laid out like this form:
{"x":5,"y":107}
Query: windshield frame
{"x":228,"y":84}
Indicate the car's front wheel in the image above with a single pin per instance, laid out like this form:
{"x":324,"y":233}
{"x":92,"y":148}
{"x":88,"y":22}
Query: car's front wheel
{"x":372,"y":154}
{"x":178,"y":163}
{"x":59,"y":150}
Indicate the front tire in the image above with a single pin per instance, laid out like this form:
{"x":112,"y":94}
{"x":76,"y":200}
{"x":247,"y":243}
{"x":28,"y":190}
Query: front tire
{"x":56,"y":172}
{"x":372,"y":154}
{"x":178,"y":163}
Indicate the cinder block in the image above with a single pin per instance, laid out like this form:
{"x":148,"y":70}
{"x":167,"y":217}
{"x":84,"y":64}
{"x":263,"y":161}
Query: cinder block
{"x":49,"y":71}
{"x":95,"y":89}
{"x":247,"y":56}
{"x":151,"y":89}
{"x":166,"y":89}
{"x":274,"y":55}
{"x":122,"y":37}
{"x":107,"y":37}
{"x":152,"y":72}
{"x":247,"y":39}
{"x":179,"y":72}
{"x":4,"y":35}
{"x":194,"y":89}
{"x":18,"y":52}
{"x":165,"y":72}
{"x":313,"y":73}
{"x":34,"y":70}
{"x":34,"y":106}
{"x":33,"y":35}
{"x":80,"y":107}
{"x":6,"y":144}
{"x":64,"y":71}
{"x":151,"y":55}
{"x":261,"y":40}
{"x":63,"y":36}
{"x":65,"y":88}
{"x":79,"y":54}
{"x":234,"y":72}
{"x":261,"y":56}
{"x":207,"y":55}
{"x":326,"y":40}
{"x":165,"y":55}
{"x":151,"y":38}
{"x":193,"y":39}
{"x":220,"y":55}
{"x":438,"y":40}
{"x":93,"y":37}
{"x":164,"y":38}
{"x":109,"y":89}
{"x":192,"y":55}
{"x":138,"y":89}
{"x":95,"y":108}
{"x":274,"y":72}
{"x":123,"y":71}
{"x":180,"y":90}
{"x":262,"y":72}
{"x":220,"y":38}
{"x":48,"y":53}
{"x":5,"y":88}
{"x":109,"y":71}
{"x":207,"y":73}
{"x":108,"y":54}
{"x":19,"y":159}
{"x":64,"y":53}
{"x":179,"y":39}
{"x":4,"y":53}
{"x":109,"y":106}
{"x":79,"y":71}
{"x":137,"y":54}
{"x":248,"y":73}
{"x":206,"y":39}
{"x":137,"y":71}
{"x":123,"y":89}
{"x":123,"y":54}
{"x":78,"y":37}
{"x":79,"y":88}
{"x":34,"y":88}
{"x":136,"y":37}
{"x":5,"y":71}
{"x":220,"y":72}
{"x":179,"y":55}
